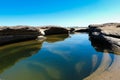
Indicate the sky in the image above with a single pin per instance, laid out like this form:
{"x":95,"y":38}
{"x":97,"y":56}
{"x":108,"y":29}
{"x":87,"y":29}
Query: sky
{"x":65,"y":13}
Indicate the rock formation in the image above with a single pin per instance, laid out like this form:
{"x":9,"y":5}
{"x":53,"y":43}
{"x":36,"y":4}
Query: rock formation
{"x":109,"y":32}
{"x":22,"y":33}
{"x":55,"y":30}
{"x":17,"y":33}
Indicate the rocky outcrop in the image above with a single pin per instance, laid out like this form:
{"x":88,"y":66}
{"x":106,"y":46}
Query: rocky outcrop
{"x":56,"y":38}
{"x":17,"y":33}
{"x":22,"y":33}
{"x":55,"y":30}
{"x":109,"y":32}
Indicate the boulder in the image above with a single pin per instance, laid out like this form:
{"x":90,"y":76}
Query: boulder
{"x":55,"y":30}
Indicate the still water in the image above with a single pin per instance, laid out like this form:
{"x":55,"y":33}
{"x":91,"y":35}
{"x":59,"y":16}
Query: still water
{"x":59,"y":57}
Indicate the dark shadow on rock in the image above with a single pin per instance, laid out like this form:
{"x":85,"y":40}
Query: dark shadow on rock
{"x":10,"y":54}
{"x":105,"y":37}
{"x":100,"y":45}
{"x":17,"y":34}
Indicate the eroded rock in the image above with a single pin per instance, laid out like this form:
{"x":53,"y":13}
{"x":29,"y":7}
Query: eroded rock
{"x":17,"y":33}
{"x":55,"y":30}
{"x":109,"y":32}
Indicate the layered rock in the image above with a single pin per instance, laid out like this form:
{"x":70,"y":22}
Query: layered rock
{"x":109,"y":32}
{"x":17,"y":33}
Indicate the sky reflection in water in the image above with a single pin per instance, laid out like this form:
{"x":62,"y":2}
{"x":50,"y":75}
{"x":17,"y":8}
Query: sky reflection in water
{"x":58,"y":58}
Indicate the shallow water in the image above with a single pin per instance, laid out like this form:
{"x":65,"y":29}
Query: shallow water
{"x":59,"y":57}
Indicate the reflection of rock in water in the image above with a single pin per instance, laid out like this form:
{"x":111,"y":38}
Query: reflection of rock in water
{"x":101,"y":45}
{"x":55,"y":38}
{"x":10,"y":54}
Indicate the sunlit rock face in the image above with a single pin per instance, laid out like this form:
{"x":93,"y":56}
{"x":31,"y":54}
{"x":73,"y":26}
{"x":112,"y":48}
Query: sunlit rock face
{"x":107,"y":33}
{"x":17,"y":33}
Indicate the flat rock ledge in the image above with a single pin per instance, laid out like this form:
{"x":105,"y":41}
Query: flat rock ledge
{"x":107,"y":33}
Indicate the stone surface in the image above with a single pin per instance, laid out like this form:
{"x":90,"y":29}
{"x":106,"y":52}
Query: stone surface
{"x":109,"y":32}
{"x":17,"y":33}
{"x":55,"y":30}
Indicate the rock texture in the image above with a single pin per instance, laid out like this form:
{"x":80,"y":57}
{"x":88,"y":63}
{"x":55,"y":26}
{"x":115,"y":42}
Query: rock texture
{"x":109,"y":32}
{"x":55,"y":30}
{"x":21,"y":33}
{"x":17,"y":33}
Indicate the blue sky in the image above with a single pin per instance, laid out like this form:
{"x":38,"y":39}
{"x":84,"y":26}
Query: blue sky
{"x":58,"y":12}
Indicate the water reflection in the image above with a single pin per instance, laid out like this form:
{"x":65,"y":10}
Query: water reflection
{"x":59,"y":58}
{"x":11,"y":54}
{"x":110,"y":63}
{"x":62,"y":60}
{"x":102,"y":46}
{"x":56,"y":38}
